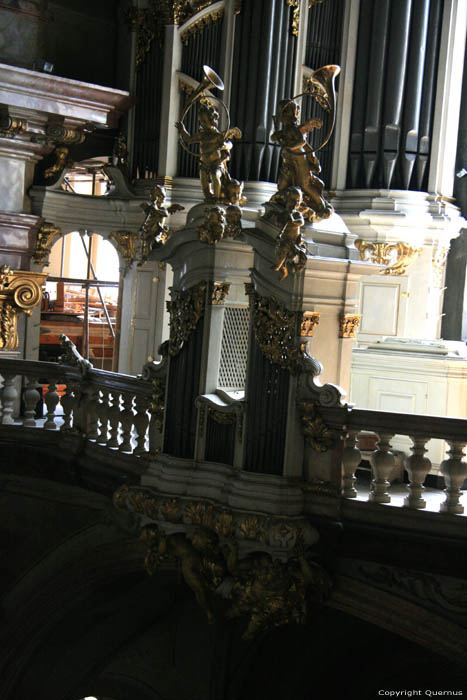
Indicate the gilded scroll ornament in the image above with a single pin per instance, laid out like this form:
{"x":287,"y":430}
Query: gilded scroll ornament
{"x":348,"y":325}
{"x":222,"y":417}
{"x":153,"y":231}
{"x":310,"y":320}
{"x":316,"y":432}
{"x":276,"y":331}
{"x":11,"y":126}
{"x":19,"y":291}
{"x":185,"y":309}
{"x":125,"y":242}
{"x":396,"y":256}
{"x":44,"y":240}
{"x":291,"y":250}
{"x":212,"y":228}
{"x":300,"y":166}
{"x":60,"y":161}
{"x":219,"y":292}
{"x":201,"y":24}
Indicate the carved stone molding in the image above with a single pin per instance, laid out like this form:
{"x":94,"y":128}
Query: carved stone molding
{"x":268,"y":590}
{"x":185,"y":309}
{"x":219,"y":292}
{"x":396,"y":256}
{"x":316,"y":432}
{"x":276,"y":331}
{"x":348,"y":325}
{"x":45,"y":237}
{"x":125,"y":243}
{"x":310,"y":320}
{"x":19,"y":291}
{"x":438,"y":264}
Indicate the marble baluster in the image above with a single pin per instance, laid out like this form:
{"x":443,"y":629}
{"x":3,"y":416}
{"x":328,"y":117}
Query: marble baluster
{"x":9,"y":397}
{"x":382,"y":463}
{"x":454,"y":471}
{"x":114,"y":420}
{"x":103,"y":416}
{"x":140,"y":422}
{"x":69,"y":403}
{"x":417,"y":466}
{"x":31,"y":397}
{"x":51,"y":401}
{"x":351,"y":458}
{"x":126,"y":420}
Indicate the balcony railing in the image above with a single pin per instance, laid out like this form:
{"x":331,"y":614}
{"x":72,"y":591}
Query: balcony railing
{"x":125,"y":414}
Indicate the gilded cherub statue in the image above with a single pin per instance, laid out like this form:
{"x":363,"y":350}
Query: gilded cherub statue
{"x":214,"y":152}
{"x":300,"y":166}
{"x":291,"y":249}
{"x":153,"y":230}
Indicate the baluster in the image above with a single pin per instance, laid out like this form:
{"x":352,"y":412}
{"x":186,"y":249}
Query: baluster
{"x":103,"y":416}
{"x":382,"y":462}
{"x":351,"y":458}
{"x":114,"y":420}
{"x":417,"y":466}
{"x":9,"y":396}
{"x":51,"y":401}
{"x":69,"y":402}
{"x":91,"y":408}
{"x":126,"y":420}
{"x":140,"y":421}
{"x":454,"y":471}
{"x":31,"y":396}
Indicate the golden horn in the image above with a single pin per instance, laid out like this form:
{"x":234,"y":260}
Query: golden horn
{"x":211,"y":79}
{"x":324,"y":91}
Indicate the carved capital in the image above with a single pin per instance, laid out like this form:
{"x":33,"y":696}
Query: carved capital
{"x":19,"y":291}
{"x":348,"y":325}
{"x":45,"y":237}
{"x":310,"y":320}
{"x":185,"y":309}
{"x":396,"y":256}
{"x":219,"y":292}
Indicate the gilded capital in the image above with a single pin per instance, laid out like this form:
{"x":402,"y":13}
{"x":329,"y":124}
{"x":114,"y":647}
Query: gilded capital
{"x":348,"y":325}
{"x":19,"y":291}
{"x":125,"y":243}
{"x":310,"y":320}
{"x":219,"y":292}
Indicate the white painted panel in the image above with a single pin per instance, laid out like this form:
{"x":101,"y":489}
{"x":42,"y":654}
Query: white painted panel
{"x":379,"y":308}
{"x":398,"y":395}
{"x":139,"y":350}
{"x":144,"y":289}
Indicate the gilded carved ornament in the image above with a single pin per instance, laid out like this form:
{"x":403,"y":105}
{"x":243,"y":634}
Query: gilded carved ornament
{"x":219,"y":292}
{"x":19,"y":291}
{"x":11,"y":126}
{"x":269,"y":592}
{"x":291,"y":250}
{"x":154,"y":231}
{"x":157,"y":404}
{"x":185,"y":309}
{"x":200,"y":24}
{"x":348,"y":325}
{"x":396,"y":256}
{"x":45,"y":238}
{"x":276,"y":331}
{"x":317,"y":434}
{"x":222,"y":417}
{"x":310,"y":320}
{"x":125,"y":243}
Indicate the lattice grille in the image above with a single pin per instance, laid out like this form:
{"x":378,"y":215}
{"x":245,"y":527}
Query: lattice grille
{"x":234,"y":348}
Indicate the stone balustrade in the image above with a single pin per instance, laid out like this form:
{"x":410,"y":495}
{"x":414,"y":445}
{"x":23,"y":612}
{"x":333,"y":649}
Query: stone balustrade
{"x":353,"y":422}
{"x":113,"y":410}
